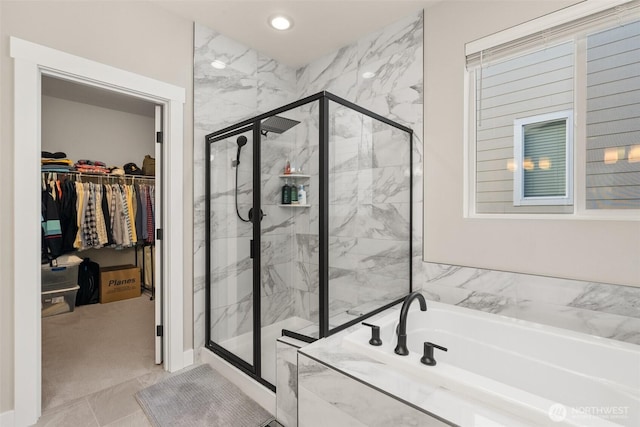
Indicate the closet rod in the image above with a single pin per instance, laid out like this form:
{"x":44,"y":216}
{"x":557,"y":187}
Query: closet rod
{"x":81,"y":175}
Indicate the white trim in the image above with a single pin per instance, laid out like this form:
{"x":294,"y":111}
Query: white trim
{"x":30,"y":62}
{"x":91,"y":72}
{"x":27,"y":316}
{"x":188,"y":357}
{"x":7,"y":419}
{"x":581,"y":216}
{"x":519,"y":198}
{"x":469,"y":144}
{"x":265,"y":397}
{"x":173,"y":245}
{"x":551,"y":20}
{"x":157,"y":249}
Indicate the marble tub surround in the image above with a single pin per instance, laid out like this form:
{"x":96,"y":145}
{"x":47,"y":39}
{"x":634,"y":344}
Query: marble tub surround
{"x":327,"y":397}
{"x":517,"y":366}
{"x":605,"y":310}
{"x":332,"y":376}
{"x":287,"y":380}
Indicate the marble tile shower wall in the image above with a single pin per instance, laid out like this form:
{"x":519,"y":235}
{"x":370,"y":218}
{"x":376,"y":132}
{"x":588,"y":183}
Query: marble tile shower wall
{"x":253,"y":83}
{"x":250,"y":84}
{"x":605,"y":310}
{"x":369,"y":213}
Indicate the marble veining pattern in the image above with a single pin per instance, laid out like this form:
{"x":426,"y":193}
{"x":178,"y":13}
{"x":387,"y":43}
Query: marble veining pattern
{"x":343,"y":401}
{"x":364,"y":200}
{"x":287,"y":384}
{"x":606,"y":310}
{"x":323,"y":384}
{"x":597,"y":308}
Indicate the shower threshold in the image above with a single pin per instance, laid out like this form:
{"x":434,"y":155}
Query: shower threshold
{"x":242,"y":345}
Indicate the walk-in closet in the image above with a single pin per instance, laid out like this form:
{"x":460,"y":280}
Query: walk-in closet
{"x":100,"y":192}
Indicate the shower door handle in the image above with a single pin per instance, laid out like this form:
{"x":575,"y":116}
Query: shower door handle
{"x":250,"y":248}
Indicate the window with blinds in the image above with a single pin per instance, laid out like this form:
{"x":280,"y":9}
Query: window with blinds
{"x":521,"y":91}
{"x":534,"y":88}
{"x":542,"y":147}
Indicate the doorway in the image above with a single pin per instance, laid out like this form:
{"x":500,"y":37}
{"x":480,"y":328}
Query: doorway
{"x":31,"y":62}
{"x":94,"y":143}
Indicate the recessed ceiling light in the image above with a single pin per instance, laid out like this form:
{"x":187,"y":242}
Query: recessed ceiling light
{"x":218,"y":64}
{"x":280,"y":22}
{"x":368,"y":75}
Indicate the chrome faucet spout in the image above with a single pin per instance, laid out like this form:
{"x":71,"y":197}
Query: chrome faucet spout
{"x":401,"y":348}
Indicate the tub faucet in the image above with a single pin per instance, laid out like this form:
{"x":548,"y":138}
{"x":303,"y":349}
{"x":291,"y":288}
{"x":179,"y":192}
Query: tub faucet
{"x":401,"y":348}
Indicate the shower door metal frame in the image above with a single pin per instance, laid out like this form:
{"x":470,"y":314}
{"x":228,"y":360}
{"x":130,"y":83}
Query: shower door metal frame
{"x":325,"y":97}
{"x":254,"y":370}
{"x":253,"y":124}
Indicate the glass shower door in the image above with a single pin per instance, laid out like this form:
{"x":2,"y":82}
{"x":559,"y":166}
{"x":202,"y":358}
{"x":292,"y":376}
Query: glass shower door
{"x":231,"y":269}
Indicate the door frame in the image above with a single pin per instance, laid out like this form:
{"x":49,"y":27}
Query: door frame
{"x":31,"y":61}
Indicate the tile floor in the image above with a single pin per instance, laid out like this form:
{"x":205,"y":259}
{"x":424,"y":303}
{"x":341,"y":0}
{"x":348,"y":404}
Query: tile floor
{"x":113,"y":407}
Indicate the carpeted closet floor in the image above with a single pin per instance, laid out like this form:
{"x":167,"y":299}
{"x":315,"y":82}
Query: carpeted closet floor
{"x":96,"y":347}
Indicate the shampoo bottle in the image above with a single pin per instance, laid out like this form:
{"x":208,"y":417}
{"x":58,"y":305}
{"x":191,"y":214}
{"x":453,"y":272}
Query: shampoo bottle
{"x":294,"y":194}
{"x":286,"y":193}
{"x":302,"y":195}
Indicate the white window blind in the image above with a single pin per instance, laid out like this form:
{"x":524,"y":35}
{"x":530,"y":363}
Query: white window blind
{"x":613,"y":118}
{"x":549,"y":30}
{"x":544,"y":155}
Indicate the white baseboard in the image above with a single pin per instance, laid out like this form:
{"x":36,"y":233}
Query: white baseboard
{"x":7,"y":419}
{"x":265,"y":397}
{"x":187,"y":358}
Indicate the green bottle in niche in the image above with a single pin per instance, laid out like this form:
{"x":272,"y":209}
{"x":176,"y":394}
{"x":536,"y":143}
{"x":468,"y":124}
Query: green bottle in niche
{"x":286,"y":193}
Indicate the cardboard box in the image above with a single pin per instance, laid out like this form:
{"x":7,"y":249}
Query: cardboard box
{"x":119,"y":282}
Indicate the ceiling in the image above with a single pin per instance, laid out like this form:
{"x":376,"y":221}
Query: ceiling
{"x":85,"y":94}
{"x":320,"y":26}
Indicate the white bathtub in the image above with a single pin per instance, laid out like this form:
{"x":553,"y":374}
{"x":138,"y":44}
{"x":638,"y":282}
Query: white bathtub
{"x":547,"y":375}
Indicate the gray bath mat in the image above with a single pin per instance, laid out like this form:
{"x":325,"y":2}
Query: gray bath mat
{"x":200,"y":397}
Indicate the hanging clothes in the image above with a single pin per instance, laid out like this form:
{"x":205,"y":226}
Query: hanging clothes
{"x":51,"y":231}
{"x":150,"y":215}
{"x":68,"y":215}
{"x":81,"y":215}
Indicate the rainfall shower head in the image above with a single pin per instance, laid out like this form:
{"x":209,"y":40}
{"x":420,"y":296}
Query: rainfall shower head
{"x":242,"y":140}
{"x":277,"y":124}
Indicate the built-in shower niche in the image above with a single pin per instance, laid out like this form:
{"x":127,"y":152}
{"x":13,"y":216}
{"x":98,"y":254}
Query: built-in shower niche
{"x":312,"y":269}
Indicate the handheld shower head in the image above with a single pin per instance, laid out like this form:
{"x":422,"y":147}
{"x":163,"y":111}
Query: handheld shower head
{"x":241,"y":141}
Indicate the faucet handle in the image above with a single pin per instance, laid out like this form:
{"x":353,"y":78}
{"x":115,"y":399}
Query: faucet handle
{"x":427,"y":357}
{"x":375,"y":334}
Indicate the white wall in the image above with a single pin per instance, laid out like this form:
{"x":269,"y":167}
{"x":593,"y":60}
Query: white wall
{"x":85,"y":131}
{"x":134,"y":36}
{"x":604,"y":251}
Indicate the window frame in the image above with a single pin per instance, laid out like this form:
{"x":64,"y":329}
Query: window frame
{"x":513,"y":34}
{"x":519,"y":199}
